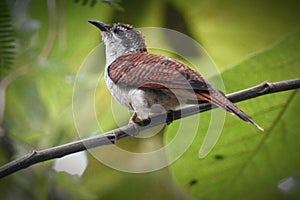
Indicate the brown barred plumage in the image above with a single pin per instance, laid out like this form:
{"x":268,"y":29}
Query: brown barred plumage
{"x":148,"y":71}
{"x":139,"y":80}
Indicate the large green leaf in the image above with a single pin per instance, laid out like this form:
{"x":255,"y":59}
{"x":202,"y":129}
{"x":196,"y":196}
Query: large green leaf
{"x":246,"y":163}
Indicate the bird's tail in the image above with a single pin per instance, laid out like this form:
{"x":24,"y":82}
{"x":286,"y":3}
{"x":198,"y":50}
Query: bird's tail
{"x":220,"y":100}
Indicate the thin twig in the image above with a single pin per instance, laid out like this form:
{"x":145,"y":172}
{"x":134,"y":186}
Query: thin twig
{"x":131,"y":129}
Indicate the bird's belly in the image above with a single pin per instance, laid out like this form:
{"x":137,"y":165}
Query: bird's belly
{"x":142,"y":101}
{"x":121,"y":94}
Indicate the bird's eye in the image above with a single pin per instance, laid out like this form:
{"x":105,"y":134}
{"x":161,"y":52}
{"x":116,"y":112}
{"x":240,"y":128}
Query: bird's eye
{"x":119,"y":32}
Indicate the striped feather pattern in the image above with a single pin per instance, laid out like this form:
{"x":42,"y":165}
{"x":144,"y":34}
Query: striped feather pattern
{"x":144,"y":70}
{"x":148,"y":71}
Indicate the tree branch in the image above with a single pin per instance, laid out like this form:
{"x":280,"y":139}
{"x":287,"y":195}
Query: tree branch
{"x":132,"y":129}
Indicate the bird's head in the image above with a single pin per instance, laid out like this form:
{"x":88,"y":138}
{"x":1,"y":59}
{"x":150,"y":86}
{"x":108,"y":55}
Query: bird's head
{"x":120,"y":39}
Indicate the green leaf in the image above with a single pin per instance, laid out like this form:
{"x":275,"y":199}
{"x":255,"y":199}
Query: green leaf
{"x":246,"y":163}
{"x":7,"y":38}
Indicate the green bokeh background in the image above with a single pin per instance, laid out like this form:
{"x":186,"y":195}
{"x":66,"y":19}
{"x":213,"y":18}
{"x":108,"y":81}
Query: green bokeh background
{"x":250,"y":42}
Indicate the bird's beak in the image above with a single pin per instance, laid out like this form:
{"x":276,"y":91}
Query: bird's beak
{"x":100,"y":25}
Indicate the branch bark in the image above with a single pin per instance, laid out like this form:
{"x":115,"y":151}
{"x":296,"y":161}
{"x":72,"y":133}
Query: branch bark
{"x":111,"y":137}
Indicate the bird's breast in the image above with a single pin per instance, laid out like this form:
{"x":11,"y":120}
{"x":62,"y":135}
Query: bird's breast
{"x":120,"y":93}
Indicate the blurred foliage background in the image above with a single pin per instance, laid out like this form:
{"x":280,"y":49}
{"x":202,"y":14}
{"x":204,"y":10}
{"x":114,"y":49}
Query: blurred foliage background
{"x":43,"y":44}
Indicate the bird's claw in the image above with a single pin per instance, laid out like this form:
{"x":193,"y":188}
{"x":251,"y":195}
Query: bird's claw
{"x":170,"y":117}
{"x":136,"y":120}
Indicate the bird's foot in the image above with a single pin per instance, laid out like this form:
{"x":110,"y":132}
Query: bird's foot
{"x":136,"y":120}
{"x":170,"y":117}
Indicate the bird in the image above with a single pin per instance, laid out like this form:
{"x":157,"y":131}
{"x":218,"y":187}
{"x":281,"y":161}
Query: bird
{"x":147,"y":83}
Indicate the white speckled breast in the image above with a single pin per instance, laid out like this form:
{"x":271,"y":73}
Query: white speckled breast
{"x":121,"y":94}
{"x":141,"y":101}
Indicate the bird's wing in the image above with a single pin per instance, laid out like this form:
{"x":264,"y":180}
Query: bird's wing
{"x":144,"y":70}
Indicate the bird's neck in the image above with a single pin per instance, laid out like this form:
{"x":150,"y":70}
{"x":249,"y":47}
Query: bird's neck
{"x":112,"y":55}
